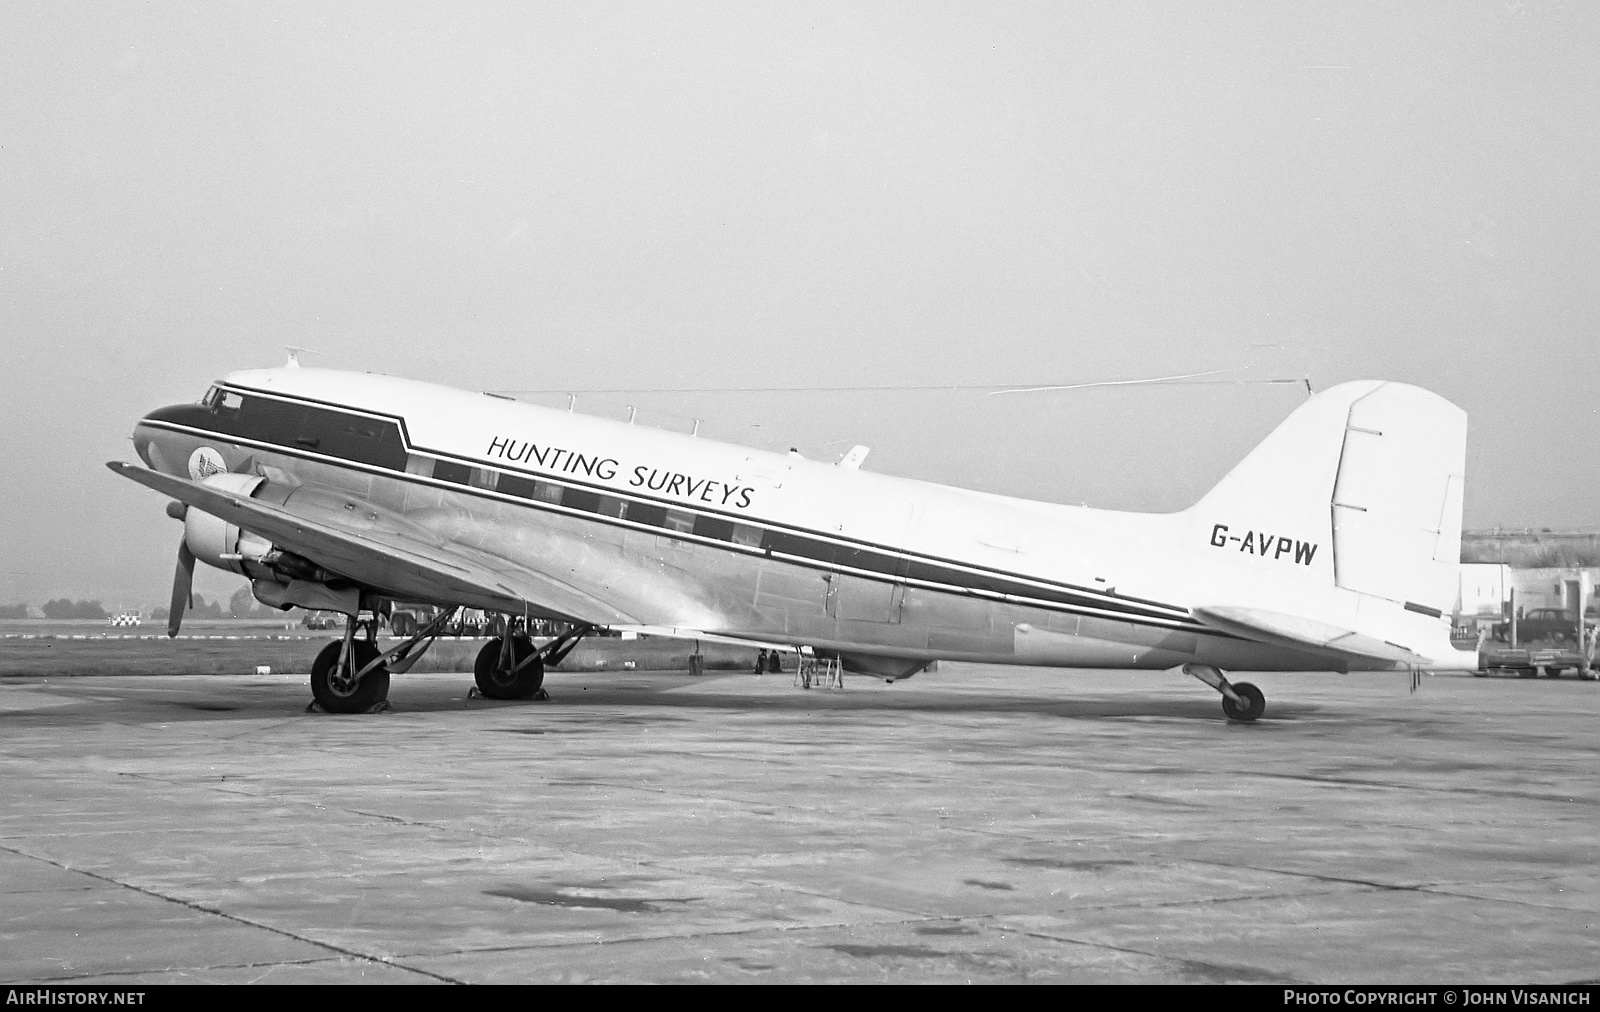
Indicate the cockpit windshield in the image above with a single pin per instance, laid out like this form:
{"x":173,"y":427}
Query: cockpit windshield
{"x":217,"y":397}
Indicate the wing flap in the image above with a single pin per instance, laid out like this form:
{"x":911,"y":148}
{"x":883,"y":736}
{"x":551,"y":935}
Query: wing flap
{"x":394,"y":560}
{"x":686,"y":633}
{"x":1280,"y":629}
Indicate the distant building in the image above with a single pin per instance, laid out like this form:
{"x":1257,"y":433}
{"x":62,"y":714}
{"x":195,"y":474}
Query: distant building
{"x":1527,"y":569}
{"x":1532,"y":548}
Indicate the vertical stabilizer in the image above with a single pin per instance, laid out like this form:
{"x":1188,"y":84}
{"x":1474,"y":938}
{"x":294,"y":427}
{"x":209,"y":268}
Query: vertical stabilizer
{"x":1272,"y":510}
{"x":1361,"y":487}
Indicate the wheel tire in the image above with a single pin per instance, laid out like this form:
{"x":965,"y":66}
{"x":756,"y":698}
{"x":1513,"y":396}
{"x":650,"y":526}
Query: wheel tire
{"x":1257,"y":703}
{"x":400,"y":624}
{"x":495,"y":683}
{"x":369,"y":692}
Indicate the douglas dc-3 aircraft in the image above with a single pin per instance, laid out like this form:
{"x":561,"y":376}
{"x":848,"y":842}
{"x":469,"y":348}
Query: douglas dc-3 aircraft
{"x":1333,"y":546}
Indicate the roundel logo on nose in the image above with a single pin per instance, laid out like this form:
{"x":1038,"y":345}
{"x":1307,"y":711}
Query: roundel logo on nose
{"x":205,"y":462}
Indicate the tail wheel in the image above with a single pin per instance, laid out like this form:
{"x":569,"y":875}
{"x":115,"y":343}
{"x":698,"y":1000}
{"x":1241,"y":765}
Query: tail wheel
{"x":336,"y":697}
{"x":1256,"y":703}
{"x":495,"y":679}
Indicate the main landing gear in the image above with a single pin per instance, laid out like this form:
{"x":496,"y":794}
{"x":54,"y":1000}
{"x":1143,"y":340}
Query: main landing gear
{"x":511,"y":667}
{"x":351,"y":675}
{"x":1240,"y":700}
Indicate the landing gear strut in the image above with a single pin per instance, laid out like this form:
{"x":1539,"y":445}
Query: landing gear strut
{"x":350,"y":675}
{"x":511,"y":667}
{"x":1240,"y":700}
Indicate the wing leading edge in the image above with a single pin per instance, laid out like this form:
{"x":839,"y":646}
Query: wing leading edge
{"x":392,"y":560}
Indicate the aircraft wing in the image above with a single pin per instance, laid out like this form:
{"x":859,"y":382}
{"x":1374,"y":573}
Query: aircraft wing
{"x":1297,"y":631}
{"x":403,"y":562}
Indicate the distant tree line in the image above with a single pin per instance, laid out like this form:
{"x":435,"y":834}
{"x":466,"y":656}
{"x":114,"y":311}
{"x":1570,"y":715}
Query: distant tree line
{"x":241,"y":605}
{"x":65,"y":607}
{"x":201,"y":608}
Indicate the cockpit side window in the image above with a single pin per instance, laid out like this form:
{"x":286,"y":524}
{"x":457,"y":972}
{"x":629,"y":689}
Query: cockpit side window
{"x":210,"y":399}
{"x":229,"y":401}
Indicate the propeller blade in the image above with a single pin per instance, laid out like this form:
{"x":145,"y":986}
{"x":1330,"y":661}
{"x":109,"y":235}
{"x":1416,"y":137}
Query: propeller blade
{"x":182,"y":588}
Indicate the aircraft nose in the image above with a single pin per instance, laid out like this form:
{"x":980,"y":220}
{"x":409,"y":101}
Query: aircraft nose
{"x":154,"y":431}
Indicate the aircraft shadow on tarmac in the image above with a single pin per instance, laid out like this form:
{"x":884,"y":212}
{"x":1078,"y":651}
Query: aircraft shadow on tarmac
{"x":642,"y":698}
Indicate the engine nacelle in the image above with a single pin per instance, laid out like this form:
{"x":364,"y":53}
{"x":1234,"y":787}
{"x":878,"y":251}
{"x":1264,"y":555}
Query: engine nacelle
{"x":218,"y":543}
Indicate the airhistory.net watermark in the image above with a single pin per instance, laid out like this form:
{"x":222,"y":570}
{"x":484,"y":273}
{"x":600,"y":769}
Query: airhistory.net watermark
{"x":59,"y":996}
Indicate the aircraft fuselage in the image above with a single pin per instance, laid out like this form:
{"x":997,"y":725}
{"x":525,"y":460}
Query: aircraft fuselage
{"x":683,"y":532}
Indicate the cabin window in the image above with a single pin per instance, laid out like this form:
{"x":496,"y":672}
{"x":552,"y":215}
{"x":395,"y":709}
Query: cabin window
{"x":647,"y":513}
{"x":715,"y":528}
{"x":522,"y":488}
{"x":482,"y":477}
{"x":744,"y":534}
{"x":420,"y":466}
{"x":610,"y":506}
{"x":678,"y":520}
{"x":581,"y":499}
{"x":449,"y":470}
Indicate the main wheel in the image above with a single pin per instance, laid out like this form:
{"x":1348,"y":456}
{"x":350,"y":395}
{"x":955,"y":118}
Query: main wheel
{"x":359,"y":698}
{"x":1256,"y":702}
{"x":496,"y":682}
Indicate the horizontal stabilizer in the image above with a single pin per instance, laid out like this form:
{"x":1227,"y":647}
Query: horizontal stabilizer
{"x":1279,"y":629}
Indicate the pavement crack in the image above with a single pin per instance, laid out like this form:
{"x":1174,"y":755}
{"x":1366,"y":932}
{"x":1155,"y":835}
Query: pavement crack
{"x":103,"y":975}
{"x":202,"y":908}
{"x":1217,"y":972}
{"x":1382,"y":785}
{"x":1431,"y":888}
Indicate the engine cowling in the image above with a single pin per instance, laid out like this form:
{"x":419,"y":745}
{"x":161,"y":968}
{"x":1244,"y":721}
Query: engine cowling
{"x":218,"y":543}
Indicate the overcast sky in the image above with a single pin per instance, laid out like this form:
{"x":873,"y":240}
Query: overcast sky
{"x":579,"y":196}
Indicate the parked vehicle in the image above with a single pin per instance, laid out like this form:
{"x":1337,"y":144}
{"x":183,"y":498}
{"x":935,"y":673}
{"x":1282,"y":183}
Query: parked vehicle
{"x":405,"y":620}
{"x":1540,"y":624}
